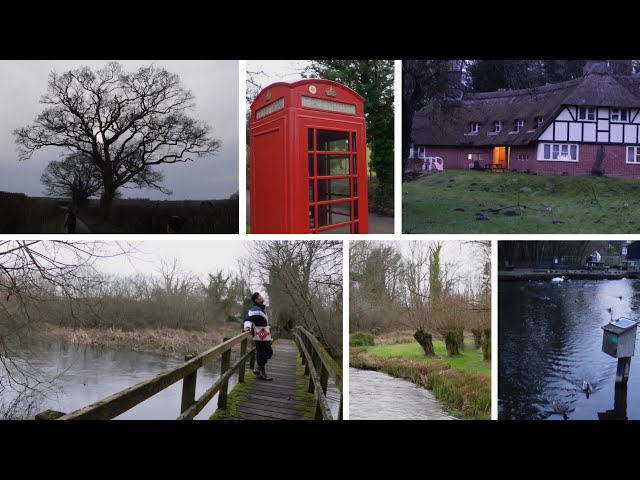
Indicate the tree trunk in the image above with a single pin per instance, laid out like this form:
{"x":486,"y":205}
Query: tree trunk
{"x":451,"y":339}
{"x":460,"y":338}
{"x":425,"y":340}
{"x":486,"y":345}
{"x":477,"y":338}
{"x":106,"y":202}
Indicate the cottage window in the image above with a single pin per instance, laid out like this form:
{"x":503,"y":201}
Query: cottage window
{"x":497,"y":126}
{"x":519,"y":125}
{"x":523,"y":156}
{"x":619,"y":114}
{"x":633,"y":154}
{"x":478,"y":157}
{"x":561,"y":152}
{"x":538,"y":122}
{"x":586,"y":113}
{"x":474,"y":127}
{"x":624,"y":250}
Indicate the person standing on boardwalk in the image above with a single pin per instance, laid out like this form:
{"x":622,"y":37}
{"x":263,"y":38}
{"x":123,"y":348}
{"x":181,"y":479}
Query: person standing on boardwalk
{"x":258,"y":320}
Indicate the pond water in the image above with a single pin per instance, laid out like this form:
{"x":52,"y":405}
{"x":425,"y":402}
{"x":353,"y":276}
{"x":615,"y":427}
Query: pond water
{"x":86,"y":374}
{"x":550,"y":343}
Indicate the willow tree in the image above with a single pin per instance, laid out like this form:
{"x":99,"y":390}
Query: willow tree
{"x":127,"y":123}
{"x":417,"y":298}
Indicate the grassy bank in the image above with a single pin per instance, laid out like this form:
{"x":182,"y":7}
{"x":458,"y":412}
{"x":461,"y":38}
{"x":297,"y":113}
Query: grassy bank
{"x":164,"y":341}
{"x":462,"y":383}
{"x":458,"y":201}
{"x":470,"y":359}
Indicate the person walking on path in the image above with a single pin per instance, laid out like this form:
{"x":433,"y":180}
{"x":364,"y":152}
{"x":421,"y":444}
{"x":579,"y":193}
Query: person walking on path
{"x":70,"y":221}
{"x":258,"y":320}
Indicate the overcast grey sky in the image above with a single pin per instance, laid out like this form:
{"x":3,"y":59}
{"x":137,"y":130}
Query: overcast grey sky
{"x":454,"y":251}
{"x":272,"y":71}
{"x":199,"y":257}
{"x":213,"y":83}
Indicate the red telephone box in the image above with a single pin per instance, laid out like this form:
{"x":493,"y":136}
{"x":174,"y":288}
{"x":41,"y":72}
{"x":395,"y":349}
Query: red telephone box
{"x":308,"y":159}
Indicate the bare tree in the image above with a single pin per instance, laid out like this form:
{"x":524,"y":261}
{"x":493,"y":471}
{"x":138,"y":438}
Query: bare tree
{"x":127,"y":123}
{"x":75,"y":177}
{"x":375,"y":271}
{"x":31,"y":273}
{"x":304,"y":283}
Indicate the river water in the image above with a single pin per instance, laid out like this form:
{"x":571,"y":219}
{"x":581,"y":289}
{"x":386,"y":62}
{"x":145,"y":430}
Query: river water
{"x":550,"y":342}
{"x":378,"y":396}
{"x":86,"y":374}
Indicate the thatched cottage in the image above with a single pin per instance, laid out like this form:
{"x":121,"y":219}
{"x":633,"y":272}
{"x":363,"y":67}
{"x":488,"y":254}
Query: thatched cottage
{"x":582,"y":126}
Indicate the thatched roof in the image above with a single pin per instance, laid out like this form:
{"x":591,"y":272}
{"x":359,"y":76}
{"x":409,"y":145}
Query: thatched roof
{"x":449,"y":125}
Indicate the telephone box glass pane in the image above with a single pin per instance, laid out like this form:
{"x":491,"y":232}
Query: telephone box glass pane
{"x":355,"y":164}
{"x":311,"y":172}
{"x":311,"y":192}
{"x":355,"y":210}
{"x":331,"y":141}
{"x":353,"y":142}
{"x":333,"y":189}
{"x":355,"y":187}
{"x":333,"y":165}
{"x":312,"y":217}
{"x":310,"y":140}
{"x":334,"y":213}
{"x":337,"y":230}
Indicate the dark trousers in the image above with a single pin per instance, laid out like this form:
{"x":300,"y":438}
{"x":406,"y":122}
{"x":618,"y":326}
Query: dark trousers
{"x":263,"y":353}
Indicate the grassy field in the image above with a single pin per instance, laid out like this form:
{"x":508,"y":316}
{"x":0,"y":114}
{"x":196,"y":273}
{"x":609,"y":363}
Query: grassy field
{"x":153,"y":340}
{"x":459,"y":201}
{"x":470,"y":359}
{"x":23,"y":214}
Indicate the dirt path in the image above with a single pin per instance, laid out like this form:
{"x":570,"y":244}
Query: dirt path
{"x":81,"y":227}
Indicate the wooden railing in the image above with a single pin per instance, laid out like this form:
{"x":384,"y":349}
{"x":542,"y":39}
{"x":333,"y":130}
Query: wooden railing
{"x":319,"y":366}
{"x":120,"y":402}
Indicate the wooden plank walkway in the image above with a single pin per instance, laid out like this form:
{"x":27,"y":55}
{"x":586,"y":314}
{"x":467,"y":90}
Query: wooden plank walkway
{"x":284,"y":398}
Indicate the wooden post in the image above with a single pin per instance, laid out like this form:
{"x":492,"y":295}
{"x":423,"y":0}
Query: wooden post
{"x":49,"y":415}
{"x":224,"y":366}
{"x":622,"y":373}
{"x":314,"y":362}
{"x":188,"y":387}
{"x":252,"y":362}
{"x":340,"y":411}
{"x":243,"y":350}
{"x":324,"y":378}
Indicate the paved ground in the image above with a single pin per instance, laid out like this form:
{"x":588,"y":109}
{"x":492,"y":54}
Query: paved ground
{"x":377,"y":223}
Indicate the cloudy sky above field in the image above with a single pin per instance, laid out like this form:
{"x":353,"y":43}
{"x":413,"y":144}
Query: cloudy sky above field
{"x":214,"y":85}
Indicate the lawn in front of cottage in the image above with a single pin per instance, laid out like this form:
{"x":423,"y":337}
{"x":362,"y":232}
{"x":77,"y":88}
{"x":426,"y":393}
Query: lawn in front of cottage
{"x":459,"y":201}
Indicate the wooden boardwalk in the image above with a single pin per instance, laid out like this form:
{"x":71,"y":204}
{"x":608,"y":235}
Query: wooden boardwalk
{"x":284,"y":398}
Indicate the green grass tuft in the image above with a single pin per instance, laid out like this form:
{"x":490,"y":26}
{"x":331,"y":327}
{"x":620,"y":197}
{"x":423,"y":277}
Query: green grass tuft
{"x":361,"y":339}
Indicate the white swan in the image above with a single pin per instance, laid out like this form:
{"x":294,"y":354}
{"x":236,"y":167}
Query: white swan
{"x":558,"y":279}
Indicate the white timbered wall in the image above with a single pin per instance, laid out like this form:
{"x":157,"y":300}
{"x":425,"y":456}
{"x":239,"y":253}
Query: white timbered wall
{"x":567,"y":128}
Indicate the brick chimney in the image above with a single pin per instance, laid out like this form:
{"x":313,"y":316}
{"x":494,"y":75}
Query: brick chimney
{"x":454,"y":81}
